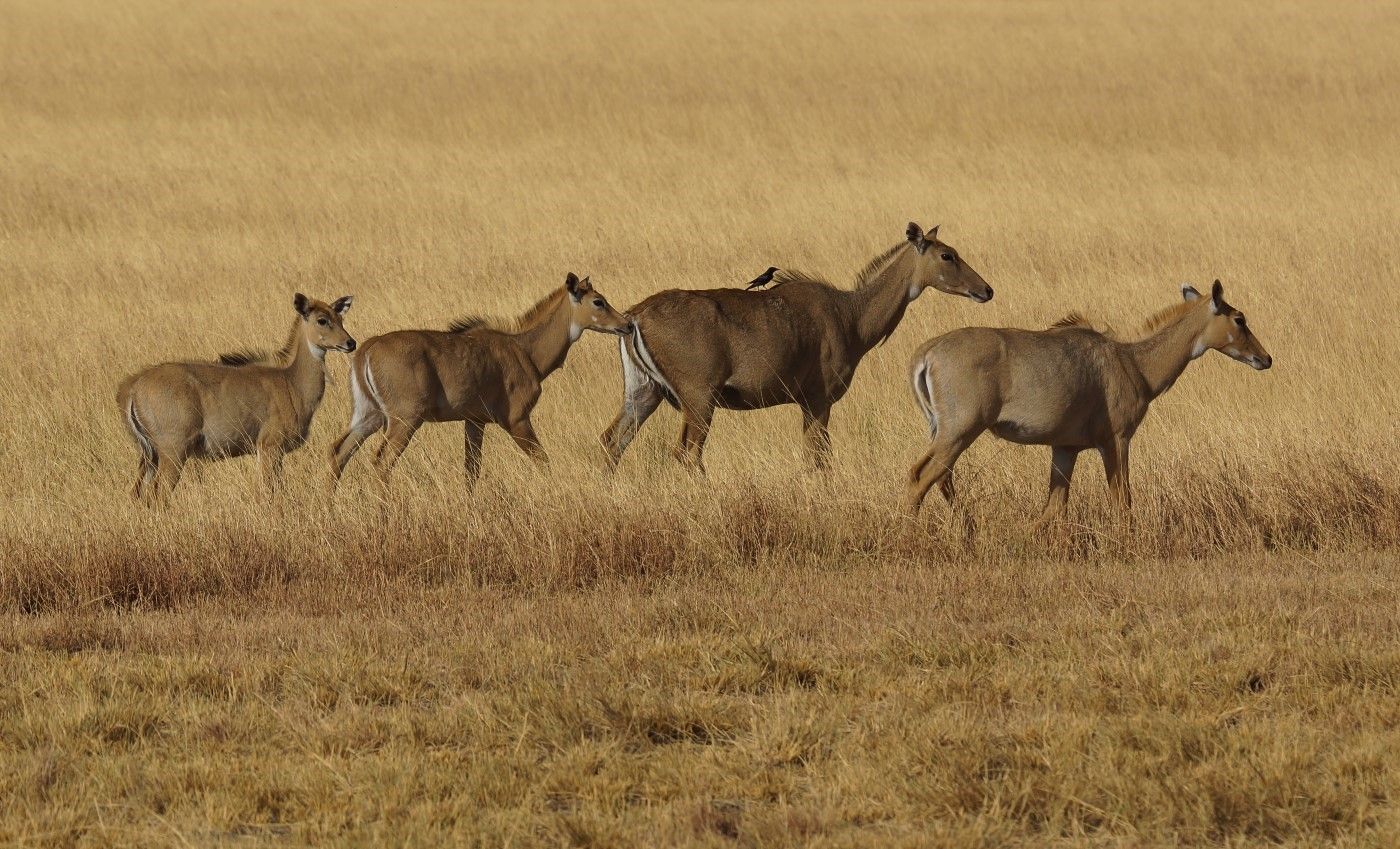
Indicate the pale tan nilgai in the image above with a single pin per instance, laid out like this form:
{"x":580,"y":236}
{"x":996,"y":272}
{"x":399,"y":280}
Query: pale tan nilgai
{"x":797,"y":343}
{"x":1070,"y":387}
{"x":473,"y":373}
{"x":244,"y":403}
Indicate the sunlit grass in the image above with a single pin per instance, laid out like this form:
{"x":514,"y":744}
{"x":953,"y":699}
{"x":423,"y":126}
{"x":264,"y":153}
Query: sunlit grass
{"x":762,"y":655}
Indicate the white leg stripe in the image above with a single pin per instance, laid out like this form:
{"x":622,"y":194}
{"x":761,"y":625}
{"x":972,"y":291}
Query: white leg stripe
{"x":647,"y":363}
{"x":373,"y":390}
{"x":134,"y":423}
{"x":923,"y":394}
{"x":632,"y":377}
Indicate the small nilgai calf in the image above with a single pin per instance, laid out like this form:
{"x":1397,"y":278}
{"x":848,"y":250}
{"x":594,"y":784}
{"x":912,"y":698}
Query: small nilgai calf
{"x":474,"y":372}
{"x":244,"y":403}
{"x":1070,"y":387}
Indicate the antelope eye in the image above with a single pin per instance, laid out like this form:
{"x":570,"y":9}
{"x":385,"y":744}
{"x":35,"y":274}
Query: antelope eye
{"x":946,"y":257}
{"x":599,"y":303}
{"x":323,"y":322}
{"x":1239,"y":319}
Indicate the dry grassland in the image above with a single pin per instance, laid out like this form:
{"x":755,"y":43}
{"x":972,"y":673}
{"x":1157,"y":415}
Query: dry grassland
{"x":762,"y":657}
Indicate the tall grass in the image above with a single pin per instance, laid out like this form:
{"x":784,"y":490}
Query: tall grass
{"x":172,"y":174}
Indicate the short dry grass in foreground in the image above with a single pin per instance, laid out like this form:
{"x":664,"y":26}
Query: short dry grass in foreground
{"x":1248,"y":701}
{"x":761,"y":657}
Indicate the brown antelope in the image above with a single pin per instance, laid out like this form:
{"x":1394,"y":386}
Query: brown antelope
{"x":1070,"y":387}
{"x":246,"y":402}
{"x":472,"y":373}
{"x":797,"y":343}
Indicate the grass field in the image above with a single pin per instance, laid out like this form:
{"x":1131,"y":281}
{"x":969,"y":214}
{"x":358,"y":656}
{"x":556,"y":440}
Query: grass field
{"x":762,"y":657}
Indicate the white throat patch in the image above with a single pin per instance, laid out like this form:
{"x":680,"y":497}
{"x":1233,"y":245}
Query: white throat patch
{"x":575,"y":331}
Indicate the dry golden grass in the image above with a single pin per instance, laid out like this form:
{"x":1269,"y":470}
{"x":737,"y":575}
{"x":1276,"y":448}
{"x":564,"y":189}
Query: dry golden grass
{"x":761,"y":657}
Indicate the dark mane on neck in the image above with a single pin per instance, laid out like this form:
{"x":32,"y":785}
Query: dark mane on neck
{"x":260,"y":356}
{"x":868,"y":272}
{"x":467,"y":323}
{"x":1167,"y":316}
{"x":1074,"y":319}
{"x":863,"y":277}
{"x":526,"y":320}
{"x":793,"y":275}
{"x":1079,"y":320}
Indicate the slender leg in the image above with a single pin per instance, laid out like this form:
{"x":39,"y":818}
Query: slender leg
{"x":637,"y":406}
{"x":1062,"y":462}
{"x":814,"y":429}
{"x":474,"y":433}
{"x":349,"y":443}
{"x":524,"y":435}
{"x":271,"y":461}
{"x":965,"y":518}
{"x":270,"y":454}
{"x":1115,"y":465}
{"x":693,"y":434}
{"x":937,"y":465}
{"x":1124,"y":477}
{"x":145,"y":474}
{"x":168,"y":471}
{"x":395,"y":441}
{"x":682,"y":442}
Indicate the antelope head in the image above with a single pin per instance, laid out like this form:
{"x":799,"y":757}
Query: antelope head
{"x":1226,"y":330}
{"x":323,"y":324}
{"x":938,"y":265}
{"x":591,"y":311}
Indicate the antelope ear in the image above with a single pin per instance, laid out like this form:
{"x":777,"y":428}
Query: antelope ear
{"x":302,"y":304}
{"x":1217,"y":302}
{"x":932,"y":233}
{"x":1189,"y":293}
{"x":915,"y":234}
{"x":342,"y":305}
{"x":577,"y":288}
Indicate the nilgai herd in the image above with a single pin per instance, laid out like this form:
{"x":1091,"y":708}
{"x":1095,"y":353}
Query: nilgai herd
{"x":798,"y":341}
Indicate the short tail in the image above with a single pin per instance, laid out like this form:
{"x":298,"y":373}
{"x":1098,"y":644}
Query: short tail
{"x":923,"y":394}
{"x":133,"y":424}
{"x":638,"y":363}
{"x":368,"y":403}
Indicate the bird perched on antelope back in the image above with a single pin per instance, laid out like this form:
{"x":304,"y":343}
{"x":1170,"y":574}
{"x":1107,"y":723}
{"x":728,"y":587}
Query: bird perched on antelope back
{"x":763,"y":279}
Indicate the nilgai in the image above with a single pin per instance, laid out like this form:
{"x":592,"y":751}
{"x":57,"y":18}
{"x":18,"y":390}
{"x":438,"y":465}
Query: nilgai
{"x":244,"y":403}
{"x":796,"y":343}
{"x":1070,"y":387}
{"x":473,"y":373}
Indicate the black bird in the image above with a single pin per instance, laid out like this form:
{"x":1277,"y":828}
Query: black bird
{"x":763,"y":279}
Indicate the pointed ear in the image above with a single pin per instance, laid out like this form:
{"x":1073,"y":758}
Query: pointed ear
{"x":932,"y":233}
{"x":1217,"y":301}
{"x":915,"y":234}
{"x":342,"y":305}
{"x":573,"y":284}
{"x":1189,"y":293}
{"x":302,"y":304}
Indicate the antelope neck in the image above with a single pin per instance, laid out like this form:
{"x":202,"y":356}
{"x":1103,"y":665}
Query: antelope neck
{"x":1163,"y":356}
